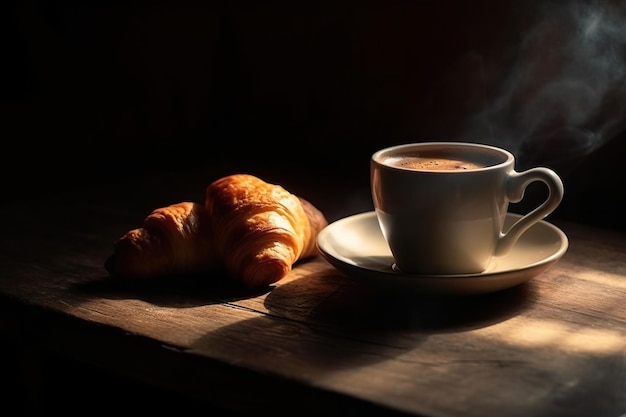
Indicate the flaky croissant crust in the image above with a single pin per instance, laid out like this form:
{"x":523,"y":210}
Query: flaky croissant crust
{"x":254,"y":230}
{"x":173,"y":240}
{"x":261,"y":229}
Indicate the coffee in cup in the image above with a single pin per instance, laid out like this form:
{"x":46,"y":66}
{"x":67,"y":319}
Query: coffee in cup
{"x":432,"y":163}
{"x":441,"y":206}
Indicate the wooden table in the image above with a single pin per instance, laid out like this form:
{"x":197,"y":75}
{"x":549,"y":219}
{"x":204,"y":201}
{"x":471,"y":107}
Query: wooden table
{"x":317,"y":343}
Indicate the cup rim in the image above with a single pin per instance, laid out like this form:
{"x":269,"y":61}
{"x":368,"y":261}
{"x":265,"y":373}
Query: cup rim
{"x":378,"y":156}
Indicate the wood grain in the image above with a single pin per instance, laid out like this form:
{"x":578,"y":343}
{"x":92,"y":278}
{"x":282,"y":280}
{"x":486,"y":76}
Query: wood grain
{"x":555,"y":346}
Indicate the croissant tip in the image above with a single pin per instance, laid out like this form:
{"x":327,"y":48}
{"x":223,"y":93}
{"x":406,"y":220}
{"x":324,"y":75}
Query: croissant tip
{"x":263,"y":274}
{"x":108,"y":265}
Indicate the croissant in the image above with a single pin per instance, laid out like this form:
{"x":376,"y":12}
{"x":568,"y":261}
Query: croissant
{"x":260,"y":229}
{"x":252,"y":229}
{"x":173,"y":240}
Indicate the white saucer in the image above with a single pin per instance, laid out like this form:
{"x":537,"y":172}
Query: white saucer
{"x":355,"y":246}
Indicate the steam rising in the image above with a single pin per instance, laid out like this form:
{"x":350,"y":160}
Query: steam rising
{"x":565,"y":95}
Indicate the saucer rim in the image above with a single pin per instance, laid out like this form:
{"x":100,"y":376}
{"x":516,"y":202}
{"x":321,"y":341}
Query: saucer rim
{"x":499,"y":278}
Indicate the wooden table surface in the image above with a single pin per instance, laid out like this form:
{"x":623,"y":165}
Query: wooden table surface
{"x":554,"y":346}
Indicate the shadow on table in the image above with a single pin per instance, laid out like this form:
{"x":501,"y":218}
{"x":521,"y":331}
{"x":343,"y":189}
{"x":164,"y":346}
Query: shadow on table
{"x":353,"y":306}
{"x":182,"y":291}
{"x":330,"y":322}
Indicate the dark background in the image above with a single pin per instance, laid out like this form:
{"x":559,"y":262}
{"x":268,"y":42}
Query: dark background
{"x":97,"y":92}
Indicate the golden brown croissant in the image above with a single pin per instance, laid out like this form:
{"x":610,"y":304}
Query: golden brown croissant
{"x":260,"y":229}
{"x":256,"y":231}
{"x":172,"y":240}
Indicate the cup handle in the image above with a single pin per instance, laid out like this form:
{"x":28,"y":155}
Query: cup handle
{"x":516,"y":186}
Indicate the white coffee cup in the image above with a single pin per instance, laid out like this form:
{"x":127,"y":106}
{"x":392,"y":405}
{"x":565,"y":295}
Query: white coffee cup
{"x":441,"y":206}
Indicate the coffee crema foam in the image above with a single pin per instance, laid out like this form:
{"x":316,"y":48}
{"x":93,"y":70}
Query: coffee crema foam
{"x":432,"y":163}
